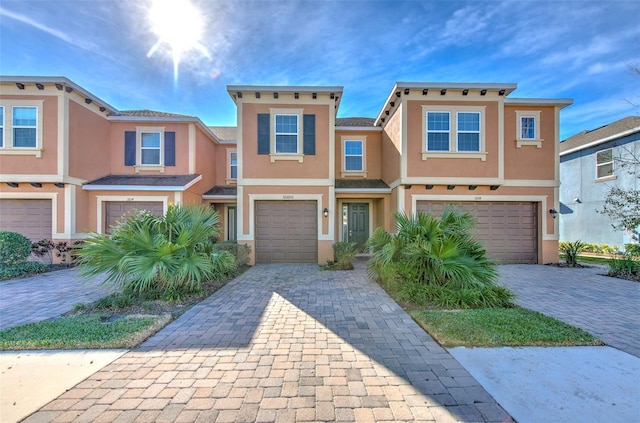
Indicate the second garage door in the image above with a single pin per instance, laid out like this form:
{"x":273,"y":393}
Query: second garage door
{"x":31,"y":218}
{"x":508,"y":230}
{"x":115,"y":211}
{"x":286,"y":232}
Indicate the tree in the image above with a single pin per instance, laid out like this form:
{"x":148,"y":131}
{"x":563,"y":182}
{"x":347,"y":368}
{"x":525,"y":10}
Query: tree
{"x":622,"y":205}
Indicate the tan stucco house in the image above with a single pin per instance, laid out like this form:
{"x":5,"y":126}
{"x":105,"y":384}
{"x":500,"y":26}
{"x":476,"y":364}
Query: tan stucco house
{"x":291,"y":178}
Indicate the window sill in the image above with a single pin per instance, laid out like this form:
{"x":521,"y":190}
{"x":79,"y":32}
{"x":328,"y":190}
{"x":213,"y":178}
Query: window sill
{"x":606,"y":178}
{"x":21,"y":152}
{"x":537,"y":143}
{"x":353,"y":174}
{"x":232,"y":181}
{"x":148,"y":168}
{"x":287,"y":157}
{"x":454,"y":155}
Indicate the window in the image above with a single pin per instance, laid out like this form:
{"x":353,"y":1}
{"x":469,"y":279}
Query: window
{"x":604,"y":163}
{"x":1,"y":126}
{"x":150,"y":148}
{"x":527,"y":128}
{"x":286,"y":134}
{"x":468,"y":131}
{"x":438,"y":127}
{"x":25,"y":127}
{"x":233,"y":165}
{"x":353,"y":155}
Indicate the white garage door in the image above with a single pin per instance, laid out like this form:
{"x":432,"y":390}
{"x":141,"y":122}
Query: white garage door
{"x":286,"y":232}
{"x":31,"y":218}
{"x":508,"y":230}
{"x":116,"y":211}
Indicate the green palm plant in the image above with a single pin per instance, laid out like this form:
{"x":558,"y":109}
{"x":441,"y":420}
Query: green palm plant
{"x":427,"y":250}
{"x":174,"y":253}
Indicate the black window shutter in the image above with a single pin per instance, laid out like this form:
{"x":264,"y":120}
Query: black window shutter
{"x":309,"y":140}
{"x":169,"y":148}
{"x":263,"y":133}
{"x":130,"y":148}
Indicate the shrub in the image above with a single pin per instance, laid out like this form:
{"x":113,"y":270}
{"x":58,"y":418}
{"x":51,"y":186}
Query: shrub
{"x":571,"y":251}
{"x":42,"y":249}
{"x":145,"y":252}
{"x":25,"y":268}
{"x":343,"y":255}
{"x":436,"y":259}
{"x":14,"y":248}
{"x":239,"y":251}
{"x":632,"y":249}
{"x":627,"y":267}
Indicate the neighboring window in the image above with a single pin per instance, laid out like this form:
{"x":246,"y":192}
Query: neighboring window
{"x":150,"y":148}
{"x":25,"y":127}
{"x":286,"y":134}
{"x":468,"y":131}
{"x":233,"y":165}
{"x":604,"y":163}
{"x":353,"y":155}
{"x":527,"y":128}
{"x":1,"y":126}
{"x":438,"y":128}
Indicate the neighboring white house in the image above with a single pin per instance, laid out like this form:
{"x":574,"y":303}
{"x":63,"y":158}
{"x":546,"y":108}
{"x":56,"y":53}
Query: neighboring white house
{"x":589,"y":167}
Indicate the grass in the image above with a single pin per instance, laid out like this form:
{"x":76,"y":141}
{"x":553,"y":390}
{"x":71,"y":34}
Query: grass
{"x":493,"y":327}
{"x":94,"y":330}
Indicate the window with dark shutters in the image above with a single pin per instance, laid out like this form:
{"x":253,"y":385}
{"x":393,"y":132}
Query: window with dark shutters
{"x":130,"y":148}
{"x":309,"y":139}
{"x":169,"y":148}
{"x":263,"y":133}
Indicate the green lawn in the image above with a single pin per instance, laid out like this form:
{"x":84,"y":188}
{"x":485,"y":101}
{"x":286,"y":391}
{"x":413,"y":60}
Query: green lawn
{"x":493,"y":327}
{"x":94,"y":330}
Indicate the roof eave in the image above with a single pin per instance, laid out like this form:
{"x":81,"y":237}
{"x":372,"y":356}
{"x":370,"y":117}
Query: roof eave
{"x":171,"y":119}
{"x":359,"y":128}
{"x":560,"y":102}
{"x":600,"y":141}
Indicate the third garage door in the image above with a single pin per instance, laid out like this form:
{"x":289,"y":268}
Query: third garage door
{"x":508,"y":230}
{"x":286,"y":232}
{"x":31,"y":218}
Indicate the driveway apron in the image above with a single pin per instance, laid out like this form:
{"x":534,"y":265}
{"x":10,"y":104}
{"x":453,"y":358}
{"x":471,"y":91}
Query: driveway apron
{"x":584,"y":297}
{"x":284,"y":343}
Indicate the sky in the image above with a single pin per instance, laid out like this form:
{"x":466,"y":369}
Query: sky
{"x":126,"y":51}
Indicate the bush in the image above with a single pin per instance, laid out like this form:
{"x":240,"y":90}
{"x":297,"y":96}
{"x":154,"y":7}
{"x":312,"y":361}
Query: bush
{"x":436,"y":260}
{"x":626,"y":267}
{"x":343,"y":255}
{"x":239,"y":251}
{"x":632,"y":249}
{"x":18,"y":270}
{"x":14,"y":248}
{"x":172,"y":253}
{"x":43,"y":249}
{"x":571,"y":251}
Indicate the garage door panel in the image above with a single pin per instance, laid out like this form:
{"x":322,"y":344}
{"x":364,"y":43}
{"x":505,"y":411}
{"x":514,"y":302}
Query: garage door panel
{"x":117,"y":211}
{"x":508,"y":230}
{"x":286,"y":231}
{"x":29,"y":217}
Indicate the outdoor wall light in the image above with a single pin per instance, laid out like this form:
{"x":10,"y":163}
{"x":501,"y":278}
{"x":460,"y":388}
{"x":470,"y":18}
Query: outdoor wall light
{"x":553,"y":213}
{"x":325,"y":212}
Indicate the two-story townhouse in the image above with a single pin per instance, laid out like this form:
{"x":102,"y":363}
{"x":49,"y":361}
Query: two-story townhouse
{"x":493,"y":156}
{"x":591,"y":163}
{"x":72,"y":164}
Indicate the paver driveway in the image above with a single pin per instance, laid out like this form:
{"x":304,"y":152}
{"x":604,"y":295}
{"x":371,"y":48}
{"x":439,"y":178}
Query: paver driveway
{"x":284,"y":343}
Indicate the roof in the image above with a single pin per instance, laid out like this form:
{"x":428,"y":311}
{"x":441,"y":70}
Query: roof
{"x":355,"y":121}
{"x":226,"y":134}
{"x":361,"y":184}
{"x":151,"y":113}
{"x":143,"y":182}
{"x":221,"y":191}
{"x":585,"y":139}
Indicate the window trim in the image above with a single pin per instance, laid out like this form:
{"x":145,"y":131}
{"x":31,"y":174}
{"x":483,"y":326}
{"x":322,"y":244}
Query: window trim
{"x":149,"y":130}
{"x":599,"y":165}
{"x":453,"y":133}
{"x":297,"y":156}
{"x":2,"y":132}
{"x":458,"y":132}
{"x":7,"y":147}
{"x":536,"y":141}
{"x":427,"y":131}
{"x":353,"y":173}
{"x":230,"y":178}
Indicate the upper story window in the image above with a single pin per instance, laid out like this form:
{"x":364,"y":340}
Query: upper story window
{"x":21,"y":127}
{"x":232,"y":169}
{"x":453,"y":132}
{"x":353,"y":155}
{"x":528,"y":128}
{"x":150,"y":148}
{"x":286,"y":134}
{"x":604,"y":163}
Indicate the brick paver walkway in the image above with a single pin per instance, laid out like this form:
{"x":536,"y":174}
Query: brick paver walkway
{"x":284,"y":343}
{"x":46,"y":296}
{"x":608,"y":308}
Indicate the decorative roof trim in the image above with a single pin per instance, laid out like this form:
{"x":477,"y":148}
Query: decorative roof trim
{"x":564,"y":102}
{"x":286,"y":88}
{"x":601,"y":141}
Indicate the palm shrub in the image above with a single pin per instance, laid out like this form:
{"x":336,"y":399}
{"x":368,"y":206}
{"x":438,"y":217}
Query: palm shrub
{"x":343,"y":254}
{"x":571,"y":251}
{"x":439,"y":254}
{"x":174,"y":253}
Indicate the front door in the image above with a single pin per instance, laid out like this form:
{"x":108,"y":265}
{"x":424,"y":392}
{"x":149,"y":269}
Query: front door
{"x":355,"y":218}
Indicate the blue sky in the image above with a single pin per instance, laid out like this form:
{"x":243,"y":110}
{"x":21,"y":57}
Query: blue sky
{"x":560,"y":49}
